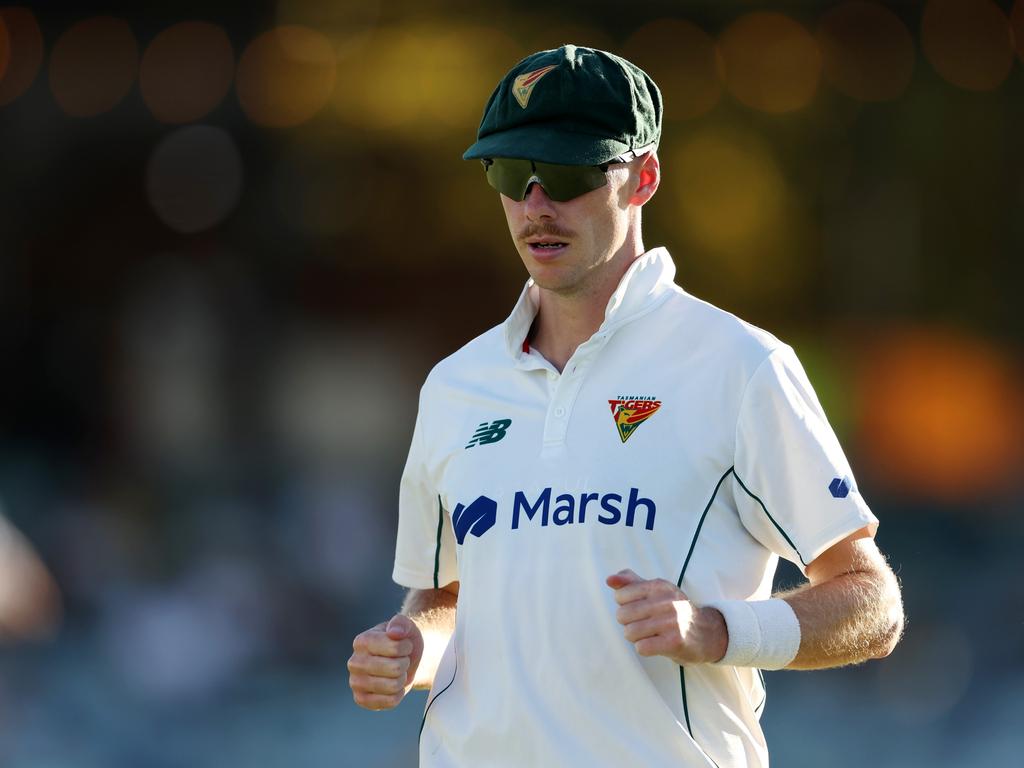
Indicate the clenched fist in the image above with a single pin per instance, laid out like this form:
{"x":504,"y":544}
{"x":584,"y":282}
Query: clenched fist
{"x":384,"y":662}
{"x":659,"y":620}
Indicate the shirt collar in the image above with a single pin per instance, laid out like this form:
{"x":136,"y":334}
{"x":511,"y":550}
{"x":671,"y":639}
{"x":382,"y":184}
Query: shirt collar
{"x":648,"y":278}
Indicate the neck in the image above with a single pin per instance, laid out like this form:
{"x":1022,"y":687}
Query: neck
{"x":566,"y":320}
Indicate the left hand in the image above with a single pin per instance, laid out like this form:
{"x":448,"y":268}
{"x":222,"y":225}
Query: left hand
{"x":660,"y":620}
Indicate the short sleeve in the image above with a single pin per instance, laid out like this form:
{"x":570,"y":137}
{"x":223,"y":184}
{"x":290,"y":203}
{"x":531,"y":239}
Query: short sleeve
{"x":794,"y":489}
{"x":425,"y":546}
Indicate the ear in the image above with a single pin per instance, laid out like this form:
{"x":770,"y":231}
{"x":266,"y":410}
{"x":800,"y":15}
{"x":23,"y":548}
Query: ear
{"x":649,"y":178}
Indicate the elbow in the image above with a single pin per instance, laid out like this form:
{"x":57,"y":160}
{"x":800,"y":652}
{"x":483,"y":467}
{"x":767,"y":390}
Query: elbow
{"x":893,"y":623}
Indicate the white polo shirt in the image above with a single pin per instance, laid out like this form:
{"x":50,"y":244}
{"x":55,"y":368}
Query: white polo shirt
{"x":680,"y":442}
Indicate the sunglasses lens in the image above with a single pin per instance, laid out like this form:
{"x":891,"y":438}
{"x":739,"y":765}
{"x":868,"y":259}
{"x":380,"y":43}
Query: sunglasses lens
{"x":510,"y":177}
{"x":561,"y":182}
{"x":564,"y":182}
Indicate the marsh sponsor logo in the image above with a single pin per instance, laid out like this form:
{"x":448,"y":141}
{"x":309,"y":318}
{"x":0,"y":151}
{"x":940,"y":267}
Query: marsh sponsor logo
{"x":567,"y":509}
{"x":630,"y":509}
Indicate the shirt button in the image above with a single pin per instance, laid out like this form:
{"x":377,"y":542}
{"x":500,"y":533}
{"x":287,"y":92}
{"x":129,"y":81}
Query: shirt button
{"x":559,"y":412}
{"x":552,"y":375}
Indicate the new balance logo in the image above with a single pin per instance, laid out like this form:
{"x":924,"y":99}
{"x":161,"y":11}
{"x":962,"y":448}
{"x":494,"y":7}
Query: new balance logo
{"x":490,"y":433}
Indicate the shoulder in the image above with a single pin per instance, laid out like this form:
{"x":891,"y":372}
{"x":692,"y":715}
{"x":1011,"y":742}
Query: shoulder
{"x":709,"y":330}
{"x":472,"y":362}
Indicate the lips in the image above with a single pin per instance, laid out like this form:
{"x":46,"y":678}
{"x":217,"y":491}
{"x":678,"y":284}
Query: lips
{"x":546,"y":247}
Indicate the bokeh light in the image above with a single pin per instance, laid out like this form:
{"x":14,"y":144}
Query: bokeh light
{"x":186,"y":71}
{"x":868,"y":52}
{"x":285,"y":76}
{"x":93,"y":66}
{"x":425,"y":80}
{"x":25,"y":52}
{"x":729,"y":190}
{"x":457,"y":77}
{"x":681,"y":59}
{"x":942,"y":415}
{"x":728,"y":205}
{"x":349,"y":25}
{"x":194,"y":178}
{"x":968,"y":42}
{"x":770,"y":62}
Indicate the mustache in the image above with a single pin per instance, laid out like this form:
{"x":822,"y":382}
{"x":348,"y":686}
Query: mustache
{"x":545,"y":230}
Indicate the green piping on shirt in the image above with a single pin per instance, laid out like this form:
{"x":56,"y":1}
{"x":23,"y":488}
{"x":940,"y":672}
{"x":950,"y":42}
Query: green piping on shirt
{"x":437,"y":550}
{"x":679,"y":583}
{"x":777,"y":526}
{"x":423,"y":722}
{"x":700,"y":524}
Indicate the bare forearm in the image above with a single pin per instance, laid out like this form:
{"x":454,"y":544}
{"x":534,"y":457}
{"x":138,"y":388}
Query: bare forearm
{"x":433,"y":611}
{"x":848,"y":619}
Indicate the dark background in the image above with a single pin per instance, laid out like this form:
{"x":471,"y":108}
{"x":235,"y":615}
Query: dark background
{"x":230,"y":252}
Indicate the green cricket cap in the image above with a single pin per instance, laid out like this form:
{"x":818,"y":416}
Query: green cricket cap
{"x":570,"y":106}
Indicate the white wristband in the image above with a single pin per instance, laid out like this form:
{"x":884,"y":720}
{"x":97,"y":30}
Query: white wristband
{"x":762,"y":633}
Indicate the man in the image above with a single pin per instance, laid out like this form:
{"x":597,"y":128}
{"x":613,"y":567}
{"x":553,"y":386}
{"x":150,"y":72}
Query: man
{"x":598,"y":489}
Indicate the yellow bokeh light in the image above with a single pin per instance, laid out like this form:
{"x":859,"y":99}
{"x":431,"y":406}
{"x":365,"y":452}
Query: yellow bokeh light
{"x":25,"y":52}
{"x":868,"y":52}
{"x":968,"y":42}
{"x":425,"y":80}
{"x":728,"y":190}
{"x":349,"y":25}
{"x":186,"y":71}
{"x":770,"y":62}
{"x":941,"y":414}
{"x":681,"y":59}
{"x":285,"y":76}
{"x":726,"y":201}
{"x":93,"y":66}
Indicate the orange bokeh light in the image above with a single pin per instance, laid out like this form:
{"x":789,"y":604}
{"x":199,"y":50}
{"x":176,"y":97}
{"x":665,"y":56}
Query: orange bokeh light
{"x":93,"y":66}
{"x":968,"y":42}
{"x":186,"y":71}
{"x":770,"y":62}
{"x":868,"y":52}
{"x":681,"y":59}
{"x":285,"y":76}
{"x":25,"y":52}
{"x":941,"y":415}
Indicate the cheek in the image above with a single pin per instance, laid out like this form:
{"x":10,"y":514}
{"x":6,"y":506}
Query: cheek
{"x":512,"y":214}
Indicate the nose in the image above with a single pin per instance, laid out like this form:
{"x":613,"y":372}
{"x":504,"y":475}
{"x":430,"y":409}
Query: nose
{"x":538,"y":204}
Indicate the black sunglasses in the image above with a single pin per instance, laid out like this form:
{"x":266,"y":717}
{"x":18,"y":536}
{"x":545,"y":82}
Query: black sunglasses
{"x":512,"y":177}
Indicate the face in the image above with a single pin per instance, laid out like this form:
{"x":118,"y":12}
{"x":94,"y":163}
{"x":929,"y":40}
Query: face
{"x":566,"y":246}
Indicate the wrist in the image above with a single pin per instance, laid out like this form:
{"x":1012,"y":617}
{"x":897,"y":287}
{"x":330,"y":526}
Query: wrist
{"x":715,"y":631}
{"x":760,"y":633}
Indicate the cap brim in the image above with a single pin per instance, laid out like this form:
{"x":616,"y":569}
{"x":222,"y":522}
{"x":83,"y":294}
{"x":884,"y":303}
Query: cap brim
{"x":547,"y":145}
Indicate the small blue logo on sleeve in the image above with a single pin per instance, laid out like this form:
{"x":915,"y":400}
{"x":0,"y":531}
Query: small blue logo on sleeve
{"x":840,"y":487}
{"x":478,"y":518}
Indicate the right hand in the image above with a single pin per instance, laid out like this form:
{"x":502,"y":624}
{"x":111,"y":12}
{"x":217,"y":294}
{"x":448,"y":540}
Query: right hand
{"x":383,"y":664}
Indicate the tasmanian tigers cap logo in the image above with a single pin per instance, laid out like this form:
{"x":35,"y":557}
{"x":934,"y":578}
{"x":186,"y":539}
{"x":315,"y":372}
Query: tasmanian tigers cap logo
{"x":523,"y":85}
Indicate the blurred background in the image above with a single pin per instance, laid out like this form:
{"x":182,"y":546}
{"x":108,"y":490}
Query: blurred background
{"x":233,"y":242}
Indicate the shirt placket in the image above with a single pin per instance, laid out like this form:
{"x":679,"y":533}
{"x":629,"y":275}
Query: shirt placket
{"x":563,"y":390}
